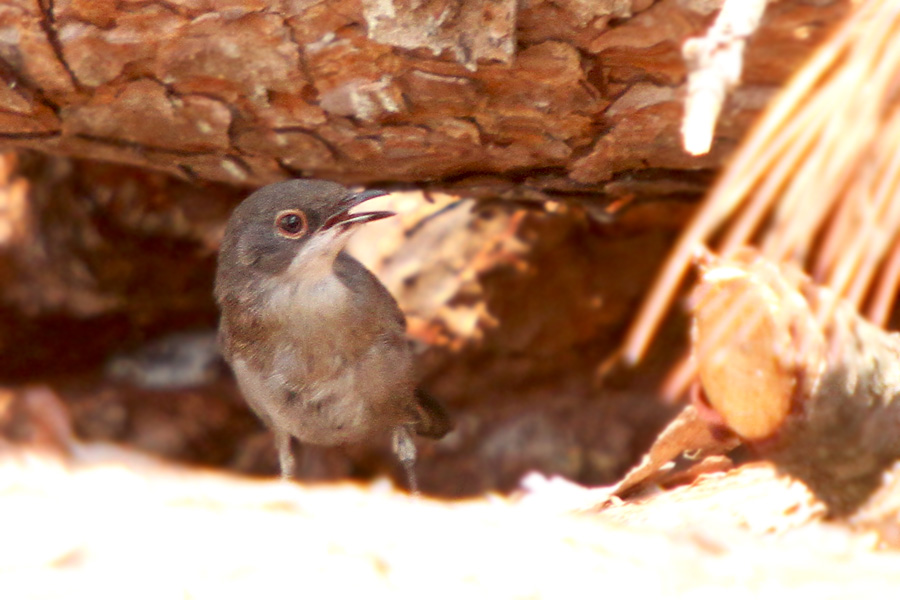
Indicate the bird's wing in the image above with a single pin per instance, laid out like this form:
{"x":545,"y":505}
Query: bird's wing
{"x":359,"y":279}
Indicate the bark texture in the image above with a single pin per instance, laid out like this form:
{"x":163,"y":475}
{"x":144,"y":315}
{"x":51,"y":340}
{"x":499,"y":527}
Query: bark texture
{"x":493,"y":97}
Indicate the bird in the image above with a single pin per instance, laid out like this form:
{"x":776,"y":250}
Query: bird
{"x":317,"y":344}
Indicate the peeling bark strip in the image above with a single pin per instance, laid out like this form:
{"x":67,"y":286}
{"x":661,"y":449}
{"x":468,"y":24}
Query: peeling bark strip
{"x":818,"y":394}
{"x":585,"y":96}
{"x":689,"y":438}
{"x":715,"y":62}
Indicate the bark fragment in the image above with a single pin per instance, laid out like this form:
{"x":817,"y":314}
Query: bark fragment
{"x":801,"y":377}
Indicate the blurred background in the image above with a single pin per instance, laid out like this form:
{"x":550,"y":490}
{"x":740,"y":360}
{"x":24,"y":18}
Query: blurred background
{"x":534,"y":155}
{"x":106,"y":298}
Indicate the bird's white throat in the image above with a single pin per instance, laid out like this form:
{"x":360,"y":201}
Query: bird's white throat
{"x":309,"y":290}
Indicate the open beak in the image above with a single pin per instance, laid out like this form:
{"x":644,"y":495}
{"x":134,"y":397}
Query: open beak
{"x":344,"y":220}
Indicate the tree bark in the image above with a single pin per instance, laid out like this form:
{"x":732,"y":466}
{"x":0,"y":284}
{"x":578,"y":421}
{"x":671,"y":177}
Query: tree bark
{"x":491,"y":97}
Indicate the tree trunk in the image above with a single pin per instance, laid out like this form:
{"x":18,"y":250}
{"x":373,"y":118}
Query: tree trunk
{"x":489,"y":97}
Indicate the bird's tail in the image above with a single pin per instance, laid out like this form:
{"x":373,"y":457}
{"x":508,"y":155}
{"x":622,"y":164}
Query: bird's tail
{"x":433,"y":420}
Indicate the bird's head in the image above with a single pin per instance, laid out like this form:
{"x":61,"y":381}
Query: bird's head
{"x":298,"y":225}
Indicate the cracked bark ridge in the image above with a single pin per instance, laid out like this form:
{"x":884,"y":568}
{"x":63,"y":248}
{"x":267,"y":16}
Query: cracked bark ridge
{"x":799,"y":375}
{"x":581,"y":95}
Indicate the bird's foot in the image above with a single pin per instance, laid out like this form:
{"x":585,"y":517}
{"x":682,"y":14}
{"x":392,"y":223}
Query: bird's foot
{"x":405,"y":449}
{"x":285,"y":455}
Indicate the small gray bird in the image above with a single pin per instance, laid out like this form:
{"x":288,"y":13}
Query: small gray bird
{"x":317,"y":344}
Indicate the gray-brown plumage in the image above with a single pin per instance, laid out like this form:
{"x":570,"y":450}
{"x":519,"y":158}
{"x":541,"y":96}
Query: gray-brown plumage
{"x":317,"y":344}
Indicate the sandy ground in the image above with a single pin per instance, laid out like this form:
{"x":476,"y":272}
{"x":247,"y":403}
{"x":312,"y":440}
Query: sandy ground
{"x":106,"y":523}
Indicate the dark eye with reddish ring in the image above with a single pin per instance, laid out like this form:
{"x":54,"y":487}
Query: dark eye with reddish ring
{"x":291,"y":224}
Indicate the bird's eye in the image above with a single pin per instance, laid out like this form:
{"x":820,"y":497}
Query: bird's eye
{"x":291,"y":224}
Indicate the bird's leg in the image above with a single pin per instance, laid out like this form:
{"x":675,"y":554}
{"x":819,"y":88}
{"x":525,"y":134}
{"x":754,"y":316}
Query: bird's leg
{"x":405,"y":449}
{"x":285,"y":456}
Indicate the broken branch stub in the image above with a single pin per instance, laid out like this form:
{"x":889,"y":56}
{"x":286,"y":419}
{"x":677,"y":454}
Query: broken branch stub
{"x":813,"y":390}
